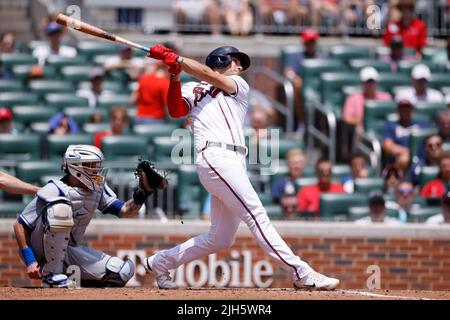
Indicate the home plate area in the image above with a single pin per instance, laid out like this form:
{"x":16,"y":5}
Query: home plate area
{"x":15,"y":293}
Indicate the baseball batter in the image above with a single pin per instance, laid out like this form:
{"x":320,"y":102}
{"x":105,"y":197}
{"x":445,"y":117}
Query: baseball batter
{"x":52,"y":225}
{"x":216,"y":107}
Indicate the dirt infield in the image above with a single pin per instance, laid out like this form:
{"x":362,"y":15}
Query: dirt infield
{"x":9,"y":293}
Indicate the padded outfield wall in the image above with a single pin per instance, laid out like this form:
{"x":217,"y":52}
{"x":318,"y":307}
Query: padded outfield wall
{"x":414,"y":256}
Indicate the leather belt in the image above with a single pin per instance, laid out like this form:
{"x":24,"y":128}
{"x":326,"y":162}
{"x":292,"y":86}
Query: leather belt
{"x":232,"y":147}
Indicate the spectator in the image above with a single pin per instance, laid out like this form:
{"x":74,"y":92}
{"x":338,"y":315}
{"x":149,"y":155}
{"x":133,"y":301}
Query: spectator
{"x":289,"y":204}
{"x":292,"y":71}
{"x":260,"y":123}
{"x":323,"y":8}
{"x":353,"y":113}
{"x":432,"y":145}
{"x":419,"y":91}
{"x":396,"y":54}
{"x":443,"y":217}
{"x":6,"y":121}
{"x":358,"y":167}
{"x":119,"y":124}
{"x":411,"y":29}
{"x":199,"y":12}
{"x":438,"y":187}
{"x":96,"y":117}
{"x":396,"y":134}
{"x":282,"y":12}
{"x":125,"y":62}
{"x":7,"y":43}
{"x":150,"y":96}
{"x":403,"y":204}
{"x":62,"y":124}
{"x":54,"y":48}
{"x":238,"y":15}
{"x":443,"y":124}
{"x":96,"y":78}
{"x":13,"y":185}
{"x":309,"y":196}
{"x":3,"y":73}
{"x":377,"y":211}
{"x":296,"y":163}
{"x":392,"y":175}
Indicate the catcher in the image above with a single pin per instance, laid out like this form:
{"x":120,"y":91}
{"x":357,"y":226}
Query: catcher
{"x":51,"y":227}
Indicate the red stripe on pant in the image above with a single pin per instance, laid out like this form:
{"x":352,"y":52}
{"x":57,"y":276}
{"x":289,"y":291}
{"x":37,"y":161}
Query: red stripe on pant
{"x":251,"y":214}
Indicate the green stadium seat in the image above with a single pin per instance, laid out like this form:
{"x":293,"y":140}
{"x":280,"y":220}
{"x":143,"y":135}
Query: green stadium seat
{"x":439,"y":80}
{"x":381,"y":66}
{"x":92,"y":128}
{"x":429,"y":52}
{"x":10,"y":85}
{"x":416,"y":139}
{"x":89,"y":49}
{"x":81,"y":115}
{"x":57,"y":144}
{"x":59,"y":62}
{"x":332,"y":84}
{"x":19,"y":147}
{"x":124,"y":147}
{"x":164,"y":146}
{"x":429,"y":109}
{"x":423,"y":213}
{"x":288,"y":51}
{"x":39,"y":128}
{"x":22,"y":72}
{"x":9,"y":60}
{"x":112,"y":86}
{"x":283,"y":145}
{"x":10,"y":99}
{"x":118,"y":75}
{"x":336,"y":205}
{"x":62,"y":100}
{"x":305,"y":181}
{"x":30,"y":114}
{"x":151,"y":131}
{"x":75,"y":74}
{"x":33,"y":44}
{"x":179,"y":122}
{"x":186,"y":77}
{"x":390,"y":80}
{"x":266,"y":198}
{"x":274,"y":211}
{"x":100,"y":59}
{"x":375,"y":114}
{"x":406,"y":66}
{"x":446,"y":146}
{"x":383,"y":50}
{"x":339,"y":171}
{"x":11,"y":209}
{"x":427,"y":174}
{"x":43,"y":87}
{"x":346,"y":53}
{"x":112,"y":100}
{"x":366,"y":185}
{"x":32,"y":171}
{"x":190,"y":192}
{"x":357,"y":212}
{"x":312,"y":68}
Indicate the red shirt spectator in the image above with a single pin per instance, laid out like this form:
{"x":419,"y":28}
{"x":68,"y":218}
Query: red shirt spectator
{"x":309,"y":196}
{"x":151,"y":95}
{"x":438,"y":187}
{"x":412,"y":30}
{"x":119,"y":123}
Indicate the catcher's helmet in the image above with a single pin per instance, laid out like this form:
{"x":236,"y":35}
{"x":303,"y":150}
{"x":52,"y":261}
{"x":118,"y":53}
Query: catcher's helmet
{"x":85,"y":163}
{"x":221,"y":57}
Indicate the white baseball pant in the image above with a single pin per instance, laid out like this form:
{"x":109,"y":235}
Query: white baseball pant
{"x":223,"y":173}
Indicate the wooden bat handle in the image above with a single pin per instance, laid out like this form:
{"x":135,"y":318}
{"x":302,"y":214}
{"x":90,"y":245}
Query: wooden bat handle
{"x":84,"y":27}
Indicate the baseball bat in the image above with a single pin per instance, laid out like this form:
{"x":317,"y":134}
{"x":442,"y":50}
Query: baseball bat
{"x":84,"y":27}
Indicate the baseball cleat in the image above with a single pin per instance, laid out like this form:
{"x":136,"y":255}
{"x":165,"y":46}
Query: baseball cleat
{"x":57,"y":280}
{"x":162,"y":276}
{"x":316,"y":281}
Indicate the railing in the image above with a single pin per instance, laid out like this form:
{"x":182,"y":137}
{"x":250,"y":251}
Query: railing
{"x":315,"y":108}
{"x":370,"y":146}
{"x":286,"y":110}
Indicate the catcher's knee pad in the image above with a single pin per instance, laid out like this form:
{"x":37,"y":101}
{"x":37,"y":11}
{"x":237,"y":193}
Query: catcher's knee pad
{"x":59,"y":216}
{"x":118,"y":272}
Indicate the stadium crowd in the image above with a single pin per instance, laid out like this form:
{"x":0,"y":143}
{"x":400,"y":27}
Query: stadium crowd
{"x":48,"y":88}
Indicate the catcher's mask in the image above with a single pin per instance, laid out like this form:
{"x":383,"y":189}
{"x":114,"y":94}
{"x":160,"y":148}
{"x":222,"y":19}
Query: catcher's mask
{"x":85,"y":163}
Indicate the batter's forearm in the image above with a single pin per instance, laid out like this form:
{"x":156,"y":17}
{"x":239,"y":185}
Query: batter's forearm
{"x":11,"y":184}
{"x":130,"y":209}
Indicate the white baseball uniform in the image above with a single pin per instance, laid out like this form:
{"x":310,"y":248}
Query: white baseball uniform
{"x":219,"y":117}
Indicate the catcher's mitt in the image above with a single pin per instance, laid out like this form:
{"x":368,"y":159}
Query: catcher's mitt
{"x":149,"y":178}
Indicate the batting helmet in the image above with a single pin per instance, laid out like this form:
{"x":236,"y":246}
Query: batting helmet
{"x":222,"y":56}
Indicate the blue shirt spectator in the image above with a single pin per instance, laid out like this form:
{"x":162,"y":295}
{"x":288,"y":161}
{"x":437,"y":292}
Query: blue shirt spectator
{"x":62,"y":124}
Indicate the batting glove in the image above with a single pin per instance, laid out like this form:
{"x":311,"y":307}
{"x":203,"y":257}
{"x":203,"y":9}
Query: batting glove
{"x":172,"y":61}
{"x":157,"y":52}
